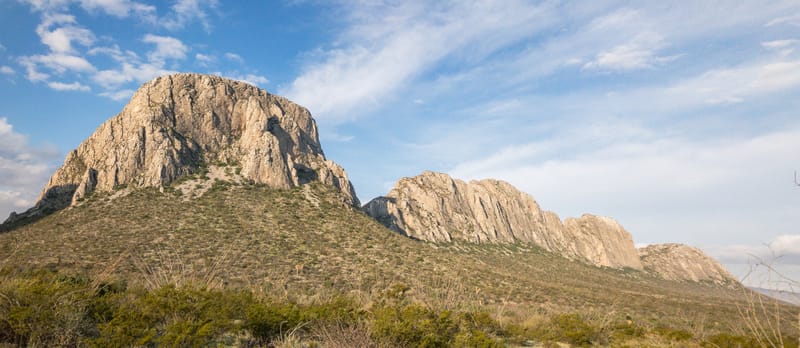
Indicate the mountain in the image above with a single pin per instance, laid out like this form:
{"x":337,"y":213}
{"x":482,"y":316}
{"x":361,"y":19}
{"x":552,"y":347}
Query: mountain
{"x":435,"y":207}
{"x":203,"y":181}
{"x":684,"y":263}
{"x":181,"y":124}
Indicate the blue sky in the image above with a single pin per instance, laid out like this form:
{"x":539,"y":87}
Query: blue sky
{"x":678,"y":119}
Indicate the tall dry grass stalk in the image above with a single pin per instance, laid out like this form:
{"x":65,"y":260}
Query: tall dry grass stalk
{"x":767,"y":317}
{"x":161,"y":266}
{"x":339,"y":335}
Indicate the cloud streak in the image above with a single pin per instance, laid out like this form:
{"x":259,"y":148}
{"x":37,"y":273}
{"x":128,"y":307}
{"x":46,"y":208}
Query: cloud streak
{"x":386,"y":46}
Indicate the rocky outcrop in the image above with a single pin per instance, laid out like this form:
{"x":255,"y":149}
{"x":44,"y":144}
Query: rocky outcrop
{"x":684,"y":263}
{"x":174,"y":125}
{"x":435,"y":207}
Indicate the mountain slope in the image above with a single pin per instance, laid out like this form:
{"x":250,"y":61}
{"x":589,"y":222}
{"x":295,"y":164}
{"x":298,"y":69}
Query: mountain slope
{"x":305,"y":242}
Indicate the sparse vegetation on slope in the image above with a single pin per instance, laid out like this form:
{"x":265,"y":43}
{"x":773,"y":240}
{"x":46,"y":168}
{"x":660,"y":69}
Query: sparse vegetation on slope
{"x":302,"y":248}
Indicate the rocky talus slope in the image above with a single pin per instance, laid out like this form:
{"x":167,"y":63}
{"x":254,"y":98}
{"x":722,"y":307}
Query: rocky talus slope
{"x":176,"y":125}
{"x":435,"y":207}
{"x":684,"y":263}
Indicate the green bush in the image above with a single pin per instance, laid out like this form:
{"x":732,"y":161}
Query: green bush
{"x":169,"y":316}
{"x":414,"y":326}
{"x":268,"y":321}
{"x":44,"y":309}
{"x":572,"y":329}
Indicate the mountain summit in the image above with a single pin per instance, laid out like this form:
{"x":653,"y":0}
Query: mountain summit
{"x":178,"y":125}
{"x":435,"y":207}
{"x":438,"y":208}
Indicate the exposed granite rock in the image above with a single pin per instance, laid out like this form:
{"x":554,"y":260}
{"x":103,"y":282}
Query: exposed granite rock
{"x":435,"y":207}
{"x":174,"y":125}
{"x":684,"y":263}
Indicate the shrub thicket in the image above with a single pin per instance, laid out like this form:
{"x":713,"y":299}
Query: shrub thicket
{"x":44,"y":308}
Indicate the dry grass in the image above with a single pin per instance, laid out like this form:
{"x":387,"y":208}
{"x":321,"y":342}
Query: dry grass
{"x":304,"y":244}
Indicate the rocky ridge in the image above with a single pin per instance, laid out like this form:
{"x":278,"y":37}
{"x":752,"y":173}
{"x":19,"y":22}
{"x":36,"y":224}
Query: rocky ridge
{"x":684,"y":263}
{"x":176,"y":125}
{"x":438,"y":208}
{"x":435,"y":207}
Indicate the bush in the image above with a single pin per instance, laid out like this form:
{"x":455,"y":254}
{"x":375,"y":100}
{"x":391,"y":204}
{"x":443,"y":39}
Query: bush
{"x":169,"y":316}
{"x":397,"y":322}
{"x":44,"y":309}
{"x":572,"y":329}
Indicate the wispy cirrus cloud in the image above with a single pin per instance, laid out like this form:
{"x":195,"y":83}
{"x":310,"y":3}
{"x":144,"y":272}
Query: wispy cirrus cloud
{"x":385,"y":46}
{"x":166,"y":48}
{"x":74,"y":86}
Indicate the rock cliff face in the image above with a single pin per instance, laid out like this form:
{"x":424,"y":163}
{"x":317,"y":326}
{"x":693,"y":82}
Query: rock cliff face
{"x":174,"y":125}
{"x":436,"y":207}
{"x":684,"y":263}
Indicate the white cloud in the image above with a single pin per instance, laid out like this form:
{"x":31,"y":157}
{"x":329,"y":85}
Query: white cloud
{"x":48,"y":5}
{"x":60,"y":39}
{"x":119,"y":8}
{"x":166,"y":48}
{"x":204,"y":59}
{"x":387,"y":45}
{"x":2,"y":48}
{"x":23,"y":169}
{"x":793,"y":20}
{"x":129,"y":72}
{"x":784,"y":47}
{"x":234,"y":57}
{"x":780,"y":44}
{"x":115,"y":53}
{"x":118,"y":95}
{"x":735,"y":84}
{"x":61,"y":63}
{"x":7,"y":70}
{"x":75,"y":86}
{"x":639,"y":53}
{"x":32,"y":73}
{"x":187,"y":11}
{"x":252,"y":79}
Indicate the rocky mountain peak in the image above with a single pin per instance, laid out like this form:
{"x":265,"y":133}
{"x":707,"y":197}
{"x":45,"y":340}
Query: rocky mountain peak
{"x":176,"y":125}
{"x":435,"y":207}
{"x":684,"y":263}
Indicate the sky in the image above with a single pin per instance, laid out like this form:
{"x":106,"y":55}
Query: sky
{"x":679,"y":119}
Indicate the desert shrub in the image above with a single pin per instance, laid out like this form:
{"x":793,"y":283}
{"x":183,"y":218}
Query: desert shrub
{"x":340,"y":310}
{"x":398,"y":322}
{"x":44,"y":309}
{"x":413,"y":325}
{"x":268,"y":321}
{"x":169,"y":316}
{"x":572,"y":329}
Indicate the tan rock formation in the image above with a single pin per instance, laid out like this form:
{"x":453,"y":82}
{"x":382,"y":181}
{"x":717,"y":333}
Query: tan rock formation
{"x":435,"y":207}
{"x":684,"y":263}
{"x":176,"y":124}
